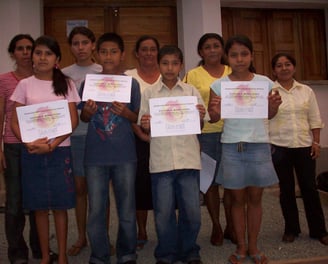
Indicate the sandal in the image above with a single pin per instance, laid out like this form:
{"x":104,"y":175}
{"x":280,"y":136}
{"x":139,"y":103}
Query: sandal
{"x":75,"y":250}
{"x":236,"y":258}
{"x":259,"y":258}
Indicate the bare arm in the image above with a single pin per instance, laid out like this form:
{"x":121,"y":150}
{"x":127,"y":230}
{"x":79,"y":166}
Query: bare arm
{"x":274,"y":102}
{"x":214,"y":107}
{"x":2,"y":120}
{"x":315,"y":149}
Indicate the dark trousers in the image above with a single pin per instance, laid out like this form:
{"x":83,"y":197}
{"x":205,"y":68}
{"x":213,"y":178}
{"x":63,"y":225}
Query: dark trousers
{"x":286,"y":161}
{"x":14,"y":213}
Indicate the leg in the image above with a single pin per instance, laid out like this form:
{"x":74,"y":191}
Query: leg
{"x":98,"y":193}
{"x":42,"y":224}
{"x":34,"y":239}
{"x":164,"y":203}
{"x":142,"y":232}
{"x":81,"y":215}
{"x":212,"y":200}
{"x":228,"y":232}
{"x":254,"y":217}
{"x":305,"y":171}
{"x":238,"y":213}
{"x":187,"y":193}
{"x":123,"y":179}
{"x":283,"y":163}
{"x":60,"y":217}
{"x":14,"y":215}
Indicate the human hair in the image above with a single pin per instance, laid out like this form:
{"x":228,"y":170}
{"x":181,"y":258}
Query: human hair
{"x":112,"y":37}
{"x":170,"y":50}
{"x":204,"y":38}
{"x":60,"y":81}
{"x":282,"y":54}
{"x":242,"y":40}
{"x":15,"y":39}
{"x":83,"y":31}
{"x":143,"y":38}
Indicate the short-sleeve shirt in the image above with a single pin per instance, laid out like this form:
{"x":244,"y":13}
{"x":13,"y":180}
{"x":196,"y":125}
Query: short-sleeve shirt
{"x":110,"y":138}
{"x":202,"y":80}
{"x":31,"y":91}
{"x":77,"y":74}
{"x":244,"y":130}
{"x":8,"y":83}
{"x":172,"y":152}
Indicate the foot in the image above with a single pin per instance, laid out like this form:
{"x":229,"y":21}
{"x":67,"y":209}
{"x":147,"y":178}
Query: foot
{"x":288,"y":238}
{"x":324,"y":240}
{"x":76,"y":248}
{"x":195,"y":261}
{"x":236,"y":258}
{"x":230,"y":235}
{"x":259,"y":258}
{"x":217,"y":237}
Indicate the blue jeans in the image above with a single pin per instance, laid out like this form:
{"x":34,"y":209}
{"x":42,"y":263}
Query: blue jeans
{"x":123,"y":180}
{"x":177,"y":235}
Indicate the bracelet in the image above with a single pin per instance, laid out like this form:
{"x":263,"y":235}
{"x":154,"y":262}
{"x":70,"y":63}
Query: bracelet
{"x":50,"y":147}
{"x":316,"y":143}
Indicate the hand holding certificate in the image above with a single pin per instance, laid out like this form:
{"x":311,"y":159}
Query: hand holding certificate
{"x":244,"y":99}
{"x":107,"y":88}
{"x":171,"y":116}
{"x":50,"y":120}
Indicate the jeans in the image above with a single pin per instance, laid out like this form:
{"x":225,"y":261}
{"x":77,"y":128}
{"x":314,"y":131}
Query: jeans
{"x":14,"y":213}
{"x":285,"y":161}
{"x":177,"y":235}
{"x":123,"y":181}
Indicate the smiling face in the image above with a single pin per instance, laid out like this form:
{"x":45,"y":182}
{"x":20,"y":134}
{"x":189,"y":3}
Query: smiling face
{"x":44,"y":59}
{"x":147,"y":53}
{"x":110,"y":57}
{"x":82,"y":48}
{"x":22,"y":53}
{"x":239,"y":58}
{"x":211,"y":51}
{"x":284,"y":69}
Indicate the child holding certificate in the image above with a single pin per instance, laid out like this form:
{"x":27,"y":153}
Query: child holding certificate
{"x":174,"y":165}
{"x":110,"y":153}
{"x":47,"y":178}
{"x":246,"y":165}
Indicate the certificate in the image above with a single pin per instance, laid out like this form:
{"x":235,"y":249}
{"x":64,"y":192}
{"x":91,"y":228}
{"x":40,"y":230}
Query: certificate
{"x":244,"y":99}
{"x":172,"y":116}
{"x":207,"y":172}
{"x":107,"y":88}
{"x":50,"y":119}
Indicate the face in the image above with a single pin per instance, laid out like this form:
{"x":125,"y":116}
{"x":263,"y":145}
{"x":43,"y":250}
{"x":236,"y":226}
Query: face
{"x":44,"y":59}
{"x":147,"y":53}
{"x":284,"y":70}
{"x":170,"y":66}
{"x":82,"y":47}
{"x":22,"y":53}
{"x":110,"y":57}
{"x":239,"y":58}
{"x":211,"y":51}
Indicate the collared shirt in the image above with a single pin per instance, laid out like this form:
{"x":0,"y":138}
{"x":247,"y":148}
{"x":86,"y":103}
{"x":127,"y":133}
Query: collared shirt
{"x":297,"y":115}
{"x":172,"y":152}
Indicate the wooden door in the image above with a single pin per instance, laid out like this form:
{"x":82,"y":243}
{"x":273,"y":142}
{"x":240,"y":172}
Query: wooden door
{"x":129,"y":21}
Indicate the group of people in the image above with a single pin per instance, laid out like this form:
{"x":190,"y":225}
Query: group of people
{"x":113,"y":143}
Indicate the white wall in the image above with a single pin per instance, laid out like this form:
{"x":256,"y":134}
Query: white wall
{"x":18,"y":16}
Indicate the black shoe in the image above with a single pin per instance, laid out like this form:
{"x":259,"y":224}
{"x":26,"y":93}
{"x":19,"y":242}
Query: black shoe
{"x":324,"y":240}
{"x":161,"y":262}
{"x":288,"y":238}
{"x":19,"y":261}
{"x":130,"y":262}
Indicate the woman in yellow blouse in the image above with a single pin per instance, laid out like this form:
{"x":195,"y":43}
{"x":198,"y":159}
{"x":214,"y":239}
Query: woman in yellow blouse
{"x":211,"y":50}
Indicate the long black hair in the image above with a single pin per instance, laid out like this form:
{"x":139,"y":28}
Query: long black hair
{"x":204,"y":38}
{"x":60,"y":80}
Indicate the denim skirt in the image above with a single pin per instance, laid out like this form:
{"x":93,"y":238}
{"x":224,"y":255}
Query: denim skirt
{"x":246,"y":164}
{"x":47,"y":180}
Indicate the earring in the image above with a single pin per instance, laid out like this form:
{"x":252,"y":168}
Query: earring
{"x":56,"y":66}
